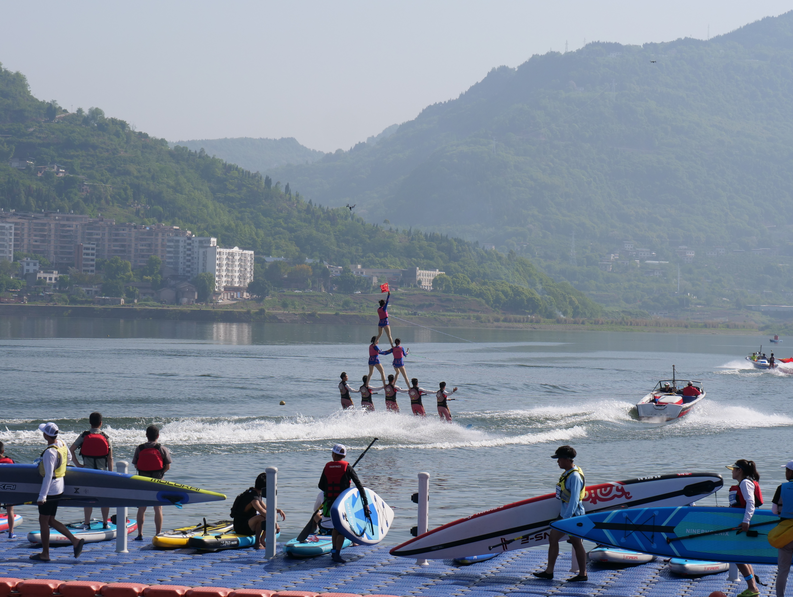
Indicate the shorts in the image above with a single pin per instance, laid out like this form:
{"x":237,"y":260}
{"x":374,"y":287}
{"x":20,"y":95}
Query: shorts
{"x":418,"y":409}
{"x":383,"y":323}
{"x":152,"y":474}
{"x":98,"y":463}
{"x":392,"y":405}
{"x":241,"y":526}
{"x":398,"y":363}
{"x":374,"y":361}
{"x":50,"y":507}
{"x":367,"y":405}
{"x":347,"y":403}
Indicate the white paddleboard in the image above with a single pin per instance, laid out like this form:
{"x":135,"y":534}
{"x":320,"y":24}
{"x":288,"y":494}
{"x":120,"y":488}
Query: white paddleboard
{"x":696,"y":567}
{"x":349,"y":517}
{"x":527,"y":523}
{"x":615,"y":555}
{"x":91,"y":535}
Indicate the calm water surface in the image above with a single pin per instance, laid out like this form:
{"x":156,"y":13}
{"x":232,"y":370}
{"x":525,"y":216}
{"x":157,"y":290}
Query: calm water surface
{"x":215,"y":389}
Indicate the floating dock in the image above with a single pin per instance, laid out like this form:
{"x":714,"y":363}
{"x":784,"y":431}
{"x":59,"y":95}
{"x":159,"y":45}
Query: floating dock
{"x":368,"y":571}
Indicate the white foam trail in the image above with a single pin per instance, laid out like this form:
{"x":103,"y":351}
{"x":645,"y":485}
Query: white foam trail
{"x":718,"y":416}
{"x":737,"y":364}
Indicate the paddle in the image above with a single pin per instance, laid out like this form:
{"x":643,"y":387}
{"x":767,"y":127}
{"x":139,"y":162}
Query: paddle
{"x":749,"y":533}
{"x":312,"y":525}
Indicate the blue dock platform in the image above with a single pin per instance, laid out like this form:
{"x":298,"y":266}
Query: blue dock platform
{"x":368,"y":571}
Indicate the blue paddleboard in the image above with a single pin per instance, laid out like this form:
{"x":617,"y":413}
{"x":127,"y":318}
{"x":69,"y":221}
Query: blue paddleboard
{"x":313,"y":546}
{"x":475,"y":559}
{"x":688,"y":532}
{"x":96,"y":532}
{"x":349,"y":517}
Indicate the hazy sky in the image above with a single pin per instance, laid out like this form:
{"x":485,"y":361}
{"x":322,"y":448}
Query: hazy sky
{"x":329,"y":73}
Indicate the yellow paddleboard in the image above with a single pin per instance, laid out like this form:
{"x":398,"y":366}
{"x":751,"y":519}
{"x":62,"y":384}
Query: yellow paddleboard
{"x":177,"y":538}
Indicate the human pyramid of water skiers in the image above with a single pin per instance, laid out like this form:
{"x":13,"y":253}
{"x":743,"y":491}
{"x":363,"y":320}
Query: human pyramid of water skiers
{"x":389,"y":387}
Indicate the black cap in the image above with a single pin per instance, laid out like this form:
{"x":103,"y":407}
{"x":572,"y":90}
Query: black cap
{"x":565,"y":452}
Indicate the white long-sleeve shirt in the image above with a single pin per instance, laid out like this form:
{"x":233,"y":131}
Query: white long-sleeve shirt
{"x":51,"y":485}
{"x":746,"y":487}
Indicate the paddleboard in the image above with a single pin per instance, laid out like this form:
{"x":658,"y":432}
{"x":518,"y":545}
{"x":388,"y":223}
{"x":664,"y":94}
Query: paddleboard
{"x":614,"y":555}
{"x":692,"y":533}
{"x":696,"y":567}
{"x":313,"y":546}
{"x":527,"y":523}
{"x":222,"y":541}
{"x":177,"y":538}
{"x":20,"y":483}
{"x":349,"y":517}
{"x":4,"y":521}
{"x":91,"y":535}
{"x":474,"y":559}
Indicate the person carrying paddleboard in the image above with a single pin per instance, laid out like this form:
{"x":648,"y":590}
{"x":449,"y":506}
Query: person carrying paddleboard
{"x":336,"y":477}
{"x":52,"y":467}
{"x":570,"y":491}
{"x":249,"y":511}
{"x":443,"y":408}
{"x":399,"y":354}
{"x":152,"y":460}
{"x":366,"y":393}
{"x":746,"y":495}
{"x":415,"y":393}
{"x":97,"y":453}
{"x":9,"y":508}
{"x":382,"y":313}
{"x":782,"y":506}
{"x":345,"y":389}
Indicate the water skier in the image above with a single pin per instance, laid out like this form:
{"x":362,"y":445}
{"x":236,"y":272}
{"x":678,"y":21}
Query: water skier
{"x":442,"y":397}
{"x":374,"y":361}
{"x":399,"y":354}
{"x":415,"y":393}
{"x":382,"y":313}
{"x":366,"y":393}
{"x":345,"y":389}
{"x":391,"y":391}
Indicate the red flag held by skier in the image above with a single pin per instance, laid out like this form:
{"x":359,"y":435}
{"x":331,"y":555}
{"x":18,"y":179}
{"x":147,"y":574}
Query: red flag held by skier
{"x":384,"y":287}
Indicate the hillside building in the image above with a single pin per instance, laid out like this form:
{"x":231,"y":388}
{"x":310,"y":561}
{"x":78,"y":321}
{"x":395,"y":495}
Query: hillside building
{"x":192,"y":255}
{"x":6,"y":241}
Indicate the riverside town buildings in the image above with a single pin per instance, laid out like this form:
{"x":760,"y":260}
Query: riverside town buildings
{"x":74,"y":240}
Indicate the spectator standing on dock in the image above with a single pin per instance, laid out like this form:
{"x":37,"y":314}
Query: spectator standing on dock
{"x":97,"y":453}
{"x":52,"y":467}
{"x":746,"y":495}
{"x":152,"y":460}
{"x":570,"y":491}
{"x":9,"y":508}
{"x":336,"y":477}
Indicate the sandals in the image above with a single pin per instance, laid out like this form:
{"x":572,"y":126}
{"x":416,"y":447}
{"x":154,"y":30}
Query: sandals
{"x":578,"y":578}
{"x":36,"y":557}
{"x":78,"y":549}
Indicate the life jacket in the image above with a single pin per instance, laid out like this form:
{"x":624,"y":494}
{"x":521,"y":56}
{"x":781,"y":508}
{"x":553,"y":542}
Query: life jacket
{"x":736,"y":496}
{"x":415,"y":395}
{"x":392,"y":396}
{"x":6,"y":460}
{"x":150,"y":459}
{"x":374,"y":350}
{"x":241,"y":502}
{"x":398,"y":352}
{"x":335,"y":475}
{"x":786,"y":494}
{"x":366,"y":394}
{"x":441,"y":396}
{"x":345,"y":393}
{"x":382,"y":312}
{"x":95,"y":445}
{"x":562,"y":493}
{"x":60,"y":468}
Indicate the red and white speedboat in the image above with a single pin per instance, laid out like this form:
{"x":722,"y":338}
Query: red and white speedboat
{"x":670,"y":399}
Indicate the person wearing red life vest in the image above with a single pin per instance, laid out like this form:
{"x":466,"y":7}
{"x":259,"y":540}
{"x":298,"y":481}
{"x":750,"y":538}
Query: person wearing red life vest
{"x":336,"y":477}
{"x":443,"y":408}
{"x":152,"y":460}
{"x":399,"y":354}
{"x":97,"y":453}
{"x":415,"y":393}
{"x":382,"y":314}
{"x":345,"y":389}
{"x":9,"y":509}
{"x":747,"y":495}
{"x":366,"y":393}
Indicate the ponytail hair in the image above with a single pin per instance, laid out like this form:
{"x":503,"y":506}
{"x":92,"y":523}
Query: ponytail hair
{"x":749,"y":469}
{"x":373,"y":339}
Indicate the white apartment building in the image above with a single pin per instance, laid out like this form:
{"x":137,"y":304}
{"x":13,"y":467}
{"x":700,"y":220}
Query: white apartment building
{"x":6,"y":241}
{"x":231,"y":267}
{"x":182,"y":253}
{"x":85,"y":257}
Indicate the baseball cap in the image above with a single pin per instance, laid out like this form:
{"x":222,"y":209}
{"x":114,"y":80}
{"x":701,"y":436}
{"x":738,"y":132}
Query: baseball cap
{"x":565,"y":452}
{"x":788,"y":465}
{"x":340,"y":450}
{"x":50,"y":429}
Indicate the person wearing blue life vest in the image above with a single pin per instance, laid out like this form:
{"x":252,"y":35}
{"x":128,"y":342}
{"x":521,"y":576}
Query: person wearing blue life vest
{"x":570,"y":491}
{"x":782,"y":506}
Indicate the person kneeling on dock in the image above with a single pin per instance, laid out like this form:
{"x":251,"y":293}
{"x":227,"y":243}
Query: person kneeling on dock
{"x":336,"y":477}
{"x":249,"y":511}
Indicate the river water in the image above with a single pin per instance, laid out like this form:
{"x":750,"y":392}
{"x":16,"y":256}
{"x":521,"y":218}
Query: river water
{"x":215,"y":389}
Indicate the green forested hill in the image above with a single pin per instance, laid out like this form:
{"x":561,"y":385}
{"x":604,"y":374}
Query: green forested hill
{"x":131,"y":176}
{"x":256,"y":155}
{"x":680,"y":143}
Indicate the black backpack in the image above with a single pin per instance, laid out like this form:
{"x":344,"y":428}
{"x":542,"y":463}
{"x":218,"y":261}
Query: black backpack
{"x":241,"y":501}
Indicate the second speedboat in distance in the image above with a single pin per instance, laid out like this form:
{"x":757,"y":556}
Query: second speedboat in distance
{"x":670,"y":399}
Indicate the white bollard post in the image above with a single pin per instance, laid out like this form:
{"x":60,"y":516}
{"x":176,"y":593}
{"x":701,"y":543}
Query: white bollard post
{"x":733,"y":574}
{"x":272,"y":511}
{"x":121,"y":516}
{"x":424,"y":510}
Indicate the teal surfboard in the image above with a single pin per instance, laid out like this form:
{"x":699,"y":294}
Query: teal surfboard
{"x":313,"y":546}
{"x":350,"y":519}
{"x":96,"y":532}
{"x":692,"y":533}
